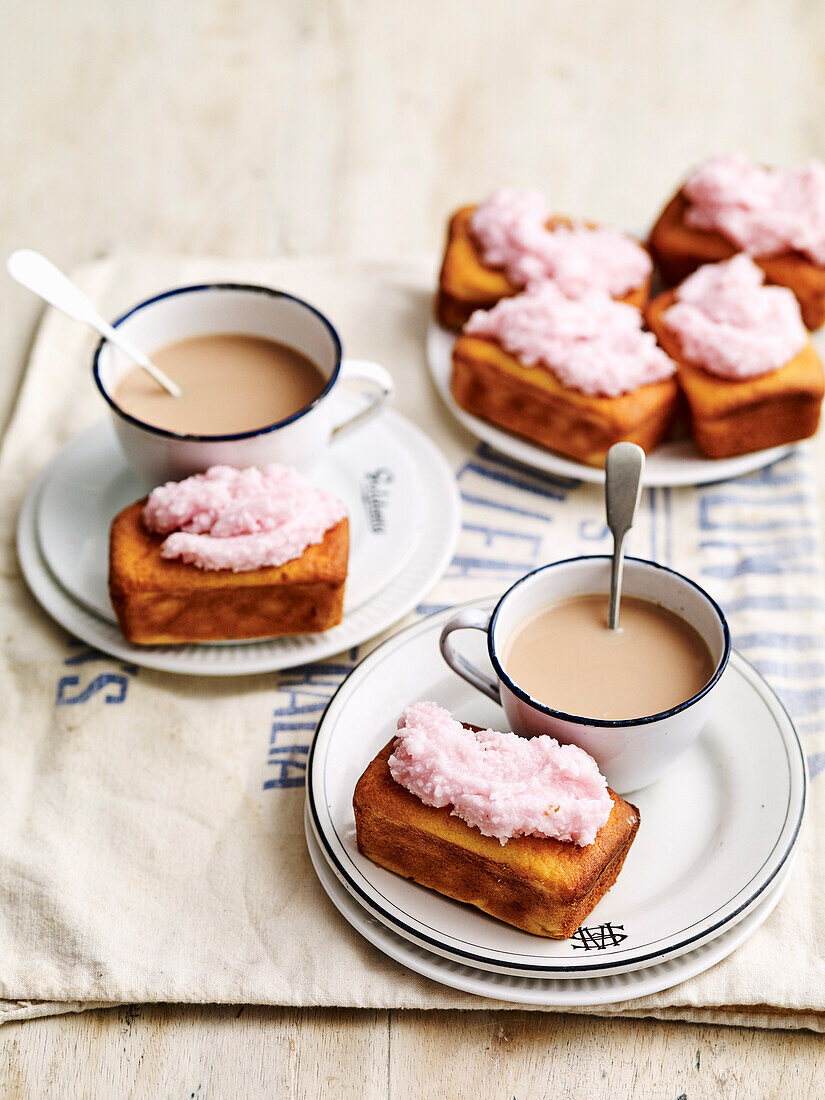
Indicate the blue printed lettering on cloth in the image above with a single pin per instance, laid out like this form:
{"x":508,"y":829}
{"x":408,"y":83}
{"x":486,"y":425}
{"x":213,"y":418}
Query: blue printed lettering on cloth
{"x":303,"y":696}
{"x":75,"y":688}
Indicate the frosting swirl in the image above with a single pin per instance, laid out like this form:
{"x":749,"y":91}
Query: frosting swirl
{"x":728,"y":322}
{"x":762,"y":211}
{"x":510,"y":229}
{"x":501,"y":784}
{"x":240,"y":519}
{"x":592,"y":344}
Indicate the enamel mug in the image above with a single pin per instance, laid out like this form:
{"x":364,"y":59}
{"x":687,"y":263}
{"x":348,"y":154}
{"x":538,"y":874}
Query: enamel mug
{"x":159,"y":455}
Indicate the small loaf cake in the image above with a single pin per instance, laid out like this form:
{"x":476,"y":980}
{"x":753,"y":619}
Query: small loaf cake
{"x":186,"y":566}
{"x":728,"y":205}
{"x":576,"y":376}
{"x":496,"y":248}
{"x":541,"y":884}
{"x":750,"y":374}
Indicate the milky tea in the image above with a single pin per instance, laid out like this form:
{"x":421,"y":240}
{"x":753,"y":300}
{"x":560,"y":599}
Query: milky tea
{"x":564,"y":656}
{"x":231,"y":383}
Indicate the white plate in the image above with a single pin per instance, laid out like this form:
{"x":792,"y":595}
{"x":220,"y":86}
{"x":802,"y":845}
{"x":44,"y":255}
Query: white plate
{"x":715,"y":830}
{"x":88,"y":482}
{"x":555,"y":992}
{"x":437,"y":520}
{"x":678,"y":463}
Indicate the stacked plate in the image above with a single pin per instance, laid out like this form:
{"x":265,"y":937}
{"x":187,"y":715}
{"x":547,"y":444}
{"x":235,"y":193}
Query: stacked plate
{"x":711,"y":859}
{"x":404,"y":513}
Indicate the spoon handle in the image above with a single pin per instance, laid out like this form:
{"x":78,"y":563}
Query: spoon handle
{"x":623,"y":488}
{"x":616,"y":569}
{"x":142,"y":360}
{"x":39,"y":275}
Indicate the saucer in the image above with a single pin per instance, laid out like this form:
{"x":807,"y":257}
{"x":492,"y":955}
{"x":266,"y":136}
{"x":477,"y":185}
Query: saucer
{"x":381,"y":473}
{"x":669,"y":464}
{"x":715,"y":830}
{"x":551,"y":992}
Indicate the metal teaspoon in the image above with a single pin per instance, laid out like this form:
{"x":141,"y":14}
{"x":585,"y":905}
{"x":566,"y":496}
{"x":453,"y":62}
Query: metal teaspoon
{"x":38,"y":274}
{"x":623,"y":471}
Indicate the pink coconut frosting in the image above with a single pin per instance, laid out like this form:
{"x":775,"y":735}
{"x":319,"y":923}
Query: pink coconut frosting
{"x":763,"y":211}
{"x":728,"y":322}
{"x":502,"y":784}
{"x":592,"y":343}
{"x":240,"y":519}
{"x":510,"y":230}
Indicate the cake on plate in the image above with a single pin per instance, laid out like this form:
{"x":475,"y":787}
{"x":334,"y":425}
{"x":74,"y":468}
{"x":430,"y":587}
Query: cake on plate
{"x":510,"y":241}
{"x":750,"y":374}
{"x":573,"y":375}
{"x":730,"y":205}
{"x":229,"y":554}
{"x":526,"y":830}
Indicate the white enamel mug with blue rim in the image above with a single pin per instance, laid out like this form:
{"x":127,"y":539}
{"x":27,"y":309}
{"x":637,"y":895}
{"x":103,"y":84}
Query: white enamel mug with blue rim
{"x":631,"y":753}
{"x":159,"y":455}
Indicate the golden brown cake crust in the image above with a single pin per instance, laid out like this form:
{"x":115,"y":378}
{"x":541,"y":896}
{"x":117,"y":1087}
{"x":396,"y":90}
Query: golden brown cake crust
{"x":160,"y":601}
{"x":679,"y":249}
{"x":530,"y":401}
{"x":465,"y":283}
{"x":543,"y":886}
{"x":730,"y":417}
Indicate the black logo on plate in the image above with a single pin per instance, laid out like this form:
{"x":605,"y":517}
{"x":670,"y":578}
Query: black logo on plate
{"x":599,"y":937}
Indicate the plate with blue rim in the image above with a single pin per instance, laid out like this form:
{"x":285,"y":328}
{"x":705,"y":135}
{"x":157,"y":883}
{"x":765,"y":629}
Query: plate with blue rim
{"x":404,"y":518}
{"x":716,"y":831}
{"x":537,"y":989}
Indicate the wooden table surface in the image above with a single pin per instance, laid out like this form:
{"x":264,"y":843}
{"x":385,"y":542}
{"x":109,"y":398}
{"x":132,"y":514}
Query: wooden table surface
{"x":265,"y":127}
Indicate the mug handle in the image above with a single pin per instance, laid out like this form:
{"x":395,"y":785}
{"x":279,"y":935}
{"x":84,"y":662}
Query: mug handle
{"x":470,"y":619}
{"x":355,"y":372}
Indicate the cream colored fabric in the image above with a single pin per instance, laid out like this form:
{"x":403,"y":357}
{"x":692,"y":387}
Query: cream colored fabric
{"x":143,"y":856}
